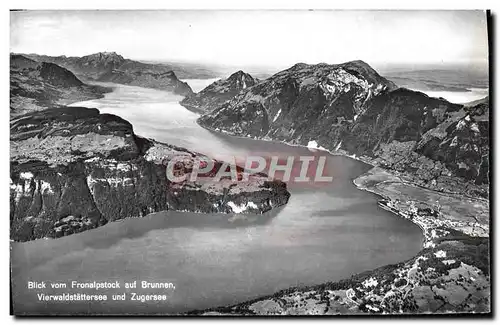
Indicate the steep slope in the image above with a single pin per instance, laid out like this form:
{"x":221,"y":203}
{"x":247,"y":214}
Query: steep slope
{"x":112,"y":67}
{"x":74,"y":169}
{"x":464,"y":145}
{"x":18,"y":61}
{"x":37,"y":86}
{"x":350,"y":108}
{"x":287,"y":105}
{"x":218,"y":92}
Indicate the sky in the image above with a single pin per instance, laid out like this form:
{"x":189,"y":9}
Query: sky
{"x":266,"y":38}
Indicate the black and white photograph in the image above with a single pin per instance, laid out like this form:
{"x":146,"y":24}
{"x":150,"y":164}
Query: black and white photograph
{"x":217,"y":162}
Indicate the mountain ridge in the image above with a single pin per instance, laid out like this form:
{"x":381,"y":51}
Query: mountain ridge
{"x":112,"y":67}
{"x":40,"y":85}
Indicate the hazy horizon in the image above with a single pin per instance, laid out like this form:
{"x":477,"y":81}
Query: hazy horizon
{"x":259,"y":38}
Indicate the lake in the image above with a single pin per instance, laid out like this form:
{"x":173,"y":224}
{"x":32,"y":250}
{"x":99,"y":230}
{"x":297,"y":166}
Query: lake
{"x":328,"y":231}
{"x":459,"y":97}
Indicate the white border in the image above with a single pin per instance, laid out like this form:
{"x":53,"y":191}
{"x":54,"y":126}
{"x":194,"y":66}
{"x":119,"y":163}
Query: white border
{"x":194,"y":4}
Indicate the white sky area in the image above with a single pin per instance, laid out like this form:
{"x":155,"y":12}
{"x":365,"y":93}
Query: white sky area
{"x":266,"y":38}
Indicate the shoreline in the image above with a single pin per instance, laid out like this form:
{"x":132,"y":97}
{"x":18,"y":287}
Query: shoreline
{"x":432,"y":223}
{"x":342,"y":153}
{"x":144,"y":157}
{"x":362,"y":182}
{"x":357,"y":179}
{"x":337,"y":153}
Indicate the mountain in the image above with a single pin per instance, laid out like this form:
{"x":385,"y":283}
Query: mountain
{"x":350,"y":108}
{"x":288,"y":103}
{"x":166,"y":80}
{"x":462,"y":143}
{"x":112,"y":67}
{"x":431,"y":142}
{"x":40,"y":85}
{"x":73,"y":169}
{"x":97,"y":62}
{"x":218,"y":92}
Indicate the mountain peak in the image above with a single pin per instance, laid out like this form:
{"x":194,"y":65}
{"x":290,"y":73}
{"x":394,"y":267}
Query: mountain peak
{"x":219,"y":91}
{"x":106,"y":56}
{"x":104,"y":53}
{"x":299,"y":65}
{"x":369,"y":73}
{"x":101,"y":61}
{"x":240,"y":80}
{"x":239,"y":75}
{"x":360,"y":65}
{"x":57,"y":75}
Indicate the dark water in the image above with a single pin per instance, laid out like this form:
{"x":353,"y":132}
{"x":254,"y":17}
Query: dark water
{"x":326,"y":232}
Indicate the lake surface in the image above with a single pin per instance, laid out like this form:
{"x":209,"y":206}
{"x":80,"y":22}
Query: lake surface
{"x":459,"y":97}
{"x":328,"y":231}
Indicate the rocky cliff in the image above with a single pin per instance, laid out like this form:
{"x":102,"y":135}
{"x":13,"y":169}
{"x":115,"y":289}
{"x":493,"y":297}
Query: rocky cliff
{"x":218,"y":92}
{"x":74,"y":169}
{"x":352,"y":109}
{"x":112,"y":67}
{"x":37,"y":86}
